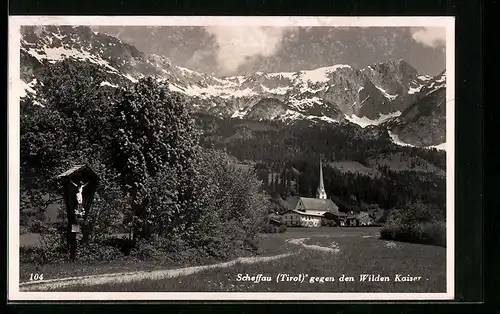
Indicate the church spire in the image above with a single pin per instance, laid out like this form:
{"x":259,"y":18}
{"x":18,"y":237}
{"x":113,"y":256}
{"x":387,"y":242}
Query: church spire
{"x":321,"y":193}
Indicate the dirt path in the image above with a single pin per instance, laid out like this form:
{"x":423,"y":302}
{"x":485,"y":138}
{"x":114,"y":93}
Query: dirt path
{"x":333,"y":249}
{"x":137,"y":276}
{"x":122,"y":277}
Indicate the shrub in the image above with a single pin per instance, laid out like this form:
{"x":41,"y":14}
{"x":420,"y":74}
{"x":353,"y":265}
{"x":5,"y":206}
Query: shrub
{"x":281,"y":228}
{"x":24,"y":229}
{"x":97,"y":252}
{"x":124,"y":244}
{"x":145,"y":250}
{"x":270,"y":228}
{"x":433,"y":233}
{"x":417,"y":223}
{"x":42,"y":255}
{"x":36,"y":226}
{"x":233,"y":204}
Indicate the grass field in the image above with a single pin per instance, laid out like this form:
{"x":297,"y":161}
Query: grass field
{"x":321,"y":256}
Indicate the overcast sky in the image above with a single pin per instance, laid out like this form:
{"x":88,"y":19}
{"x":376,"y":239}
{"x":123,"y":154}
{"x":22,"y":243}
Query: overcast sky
{"x":224,"y":50}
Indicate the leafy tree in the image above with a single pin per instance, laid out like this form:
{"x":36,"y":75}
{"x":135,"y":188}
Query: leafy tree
{"x":63,"y":123}
{"x":233,"y":201}
{"x":154,"y":135}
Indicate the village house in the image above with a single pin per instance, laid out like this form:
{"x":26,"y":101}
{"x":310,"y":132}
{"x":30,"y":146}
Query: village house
{"x":355,"y":220}
{"x":311,"y":212}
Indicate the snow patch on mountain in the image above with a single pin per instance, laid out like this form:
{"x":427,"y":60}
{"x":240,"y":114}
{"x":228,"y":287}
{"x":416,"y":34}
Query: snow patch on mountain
{"x":386,"y":94}
{"x":282,"y":75}
{"x":240,"y":113}
{"x":364,"y":121}
{"x":437,"y":84}
{"x":291,"y":115}
{"x":424,"y":77}
{"x":306,"y":89}
{"x":395,"y":139}
{"x":277,"y":91}
{"x":105,"y":83}
{"x":320,"y":75}
{"x":441,"y":146}
{"x":61,"y":53}
{"x":323,"y":118}
{"x":131,"y":78}
{"x":218,"y":91}
{"x":414,"y":90}
{"x":300,"y":104}
{"x":175,"y":88}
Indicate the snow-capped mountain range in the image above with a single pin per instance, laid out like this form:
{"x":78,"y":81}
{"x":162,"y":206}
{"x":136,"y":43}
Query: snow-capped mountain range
{"x":423,"y":123}
{"x":392,"y":94}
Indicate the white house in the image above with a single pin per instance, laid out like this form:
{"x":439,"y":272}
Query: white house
{"x":310,"y":218}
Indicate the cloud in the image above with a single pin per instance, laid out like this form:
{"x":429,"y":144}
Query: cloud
{"x":240,"y":44}
{"x":202,"y":60}
{"x":430,"y":36}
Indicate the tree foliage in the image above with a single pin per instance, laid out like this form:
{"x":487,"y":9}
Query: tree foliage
{"x":63,"y":123}
{"x":155,"y":135}
{"x":144,"y":145}
{"x":233,"y":201}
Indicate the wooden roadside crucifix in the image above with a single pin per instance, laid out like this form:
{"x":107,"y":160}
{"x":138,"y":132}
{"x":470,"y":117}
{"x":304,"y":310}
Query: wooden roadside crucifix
{"x":79,"y":185}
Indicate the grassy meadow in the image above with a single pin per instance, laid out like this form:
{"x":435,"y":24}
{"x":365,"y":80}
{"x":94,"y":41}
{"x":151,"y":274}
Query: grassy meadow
{"x":356,"y":251}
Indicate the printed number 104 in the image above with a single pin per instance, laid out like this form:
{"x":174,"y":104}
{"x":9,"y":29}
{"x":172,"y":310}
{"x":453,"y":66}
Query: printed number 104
{"x":36,"y":277}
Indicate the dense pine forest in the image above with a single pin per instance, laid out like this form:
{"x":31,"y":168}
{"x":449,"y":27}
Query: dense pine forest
{"x":286,"y":158}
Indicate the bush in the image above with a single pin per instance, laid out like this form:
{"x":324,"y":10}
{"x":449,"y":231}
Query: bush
{"x":281,"y":228}
{"x":36,"y":226}
{"x":42,"y":255}
{"x":433,"y":233}
{"x":417,"y":223}
{"x":233,"y":205}
{"x":270,"y":228}
{"x":97,"y":252}
{"x":24,"y":229}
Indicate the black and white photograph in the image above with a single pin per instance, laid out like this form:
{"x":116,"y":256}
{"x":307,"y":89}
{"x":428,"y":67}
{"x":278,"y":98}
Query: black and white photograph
{"x":231,"y":158}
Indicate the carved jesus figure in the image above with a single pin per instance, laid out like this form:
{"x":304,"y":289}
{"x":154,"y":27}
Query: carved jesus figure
{"x":79,"y":196}
{"x":79,"y":193}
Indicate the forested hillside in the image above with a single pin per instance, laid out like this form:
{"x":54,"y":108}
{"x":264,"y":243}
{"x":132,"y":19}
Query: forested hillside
{"x":287,"y":159}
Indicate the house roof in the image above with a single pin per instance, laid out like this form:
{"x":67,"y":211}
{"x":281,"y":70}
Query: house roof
{"x":318,"y":204}
{"x":341,"y":214}
{"x":291,"y":202}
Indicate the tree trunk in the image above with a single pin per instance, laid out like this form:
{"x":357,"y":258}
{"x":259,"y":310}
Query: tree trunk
{"x":72,"y":245}
{"x":85,"y":232}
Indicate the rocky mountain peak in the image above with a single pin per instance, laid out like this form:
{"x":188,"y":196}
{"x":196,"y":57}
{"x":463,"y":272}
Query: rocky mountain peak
{"x":333,"y":93}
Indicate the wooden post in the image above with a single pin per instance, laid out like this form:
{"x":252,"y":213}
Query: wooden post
{"x":77,"y":176}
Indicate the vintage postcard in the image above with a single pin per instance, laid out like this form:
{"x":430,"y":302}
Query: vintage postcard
{"x":231,"y":158}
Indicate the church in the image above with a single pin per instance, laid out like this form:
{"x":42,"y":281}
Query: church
{"x":312,"y":212}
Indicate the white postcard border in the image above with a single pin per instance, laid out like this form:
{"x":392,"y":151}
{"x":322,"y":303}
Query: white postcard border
{"x":15,"y":23}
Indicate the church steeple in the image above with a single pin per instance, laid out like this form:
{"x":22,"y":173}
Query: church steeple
{"x":321,"y":193}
